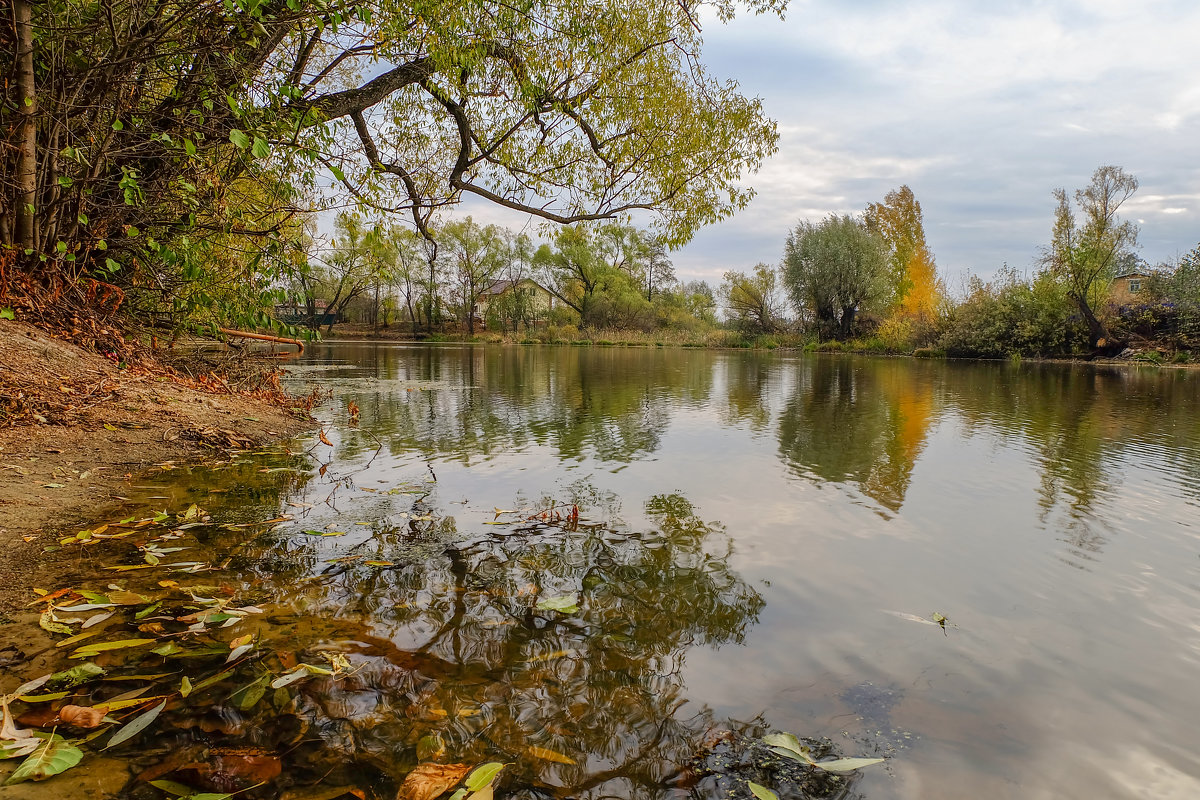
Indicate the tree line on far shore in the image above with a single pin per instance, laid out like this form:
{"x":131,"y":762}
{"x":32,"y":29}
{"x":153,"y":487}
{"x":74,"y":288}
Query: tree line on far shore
{"x":870,"y":283}
{"x":866,"y":282}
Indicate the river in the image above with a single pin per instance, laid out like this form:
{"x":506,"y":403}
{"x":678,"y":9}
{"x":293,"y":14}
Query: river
{"x":607,"y":567}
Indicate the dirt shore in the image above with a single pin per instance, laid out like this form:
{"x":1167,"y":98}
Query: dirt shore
{"x":76,"y":429}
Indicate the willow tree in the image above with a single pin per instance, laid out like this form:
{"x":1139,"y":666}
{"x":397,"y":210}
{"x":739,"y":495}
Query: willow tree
{"x":145,"y":112}
{"x":833,"y":269}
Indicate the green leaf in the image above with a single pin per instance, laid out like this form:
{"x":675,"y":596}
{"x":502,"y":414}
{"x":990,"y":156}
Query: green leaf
{"x":6,"y":313}
{"x":787,"y":744}
{"x":337,"y":172}
{"x":55,"y":756}
{"x":761,"y":792}
{"x":239,"y":138}
{"x":49,"y":623}
{"x":113,"y":266}
{"x":139,"y":724}
{"x":118,"y":125}
{"x":846,"y":764}
{"x":185,"y":686}
{"x":260,"y":149}
{"x":65,"y":181}
{"x":74,"y":676}
{"x":566,"y":603}
{"x":483,"y":775}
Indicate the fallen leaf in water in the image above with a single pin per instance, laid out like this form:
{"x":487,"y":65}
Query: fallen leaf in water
{"x":89,"y":650}
{"x":80,"y":716}
{"x":234,"y":769}
{"x":49,"y":623}
{"x":324,"y":439}
{"x":549,"y":755}
{"x":55,"y":756}
{"x":563,"y":603}
{"x":427,"y":781}
{"x":136,"y":725}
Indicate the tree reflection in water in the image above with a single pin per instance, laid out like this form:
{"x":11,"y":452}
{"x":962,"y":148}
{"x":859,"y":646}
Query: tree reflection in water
{"x":450,"y":653}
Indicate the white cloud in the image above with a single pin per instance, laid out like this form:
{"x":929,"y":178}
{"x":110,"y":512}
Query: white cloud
{"x":981,"y":108}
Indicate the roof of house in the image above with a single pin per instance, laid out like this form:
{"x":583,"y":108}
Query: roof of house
{"x":502,"y":286}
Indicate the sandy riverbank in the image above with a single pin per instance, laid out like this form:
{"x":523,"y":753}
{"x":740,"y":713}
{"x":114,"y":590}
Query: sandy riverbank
{"x":77,"y":428}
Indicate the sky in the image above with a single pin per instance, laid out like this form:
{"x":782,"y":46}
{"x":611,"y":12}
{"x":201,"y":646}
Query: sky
{"x":981,"y":108}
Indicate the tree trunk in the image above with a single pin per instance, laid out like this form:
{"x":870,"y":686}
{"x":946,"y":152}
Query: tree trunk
{"x":847,"y":322}
{"x":1098,"y":336}
{"x":25,"y":235}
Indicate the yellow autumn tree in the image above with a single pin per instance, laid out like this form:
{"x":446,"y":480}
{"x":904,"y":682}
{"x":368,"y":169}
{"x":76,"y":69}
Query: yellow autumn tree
{"x":916,"y":289}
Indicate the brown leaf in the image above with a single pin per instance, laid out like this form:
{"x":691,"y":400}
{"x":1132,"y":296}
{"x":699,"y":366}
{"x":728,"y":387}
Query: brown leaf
{"x":40,"y":716}
{"x":80,"y":716}
{"x":232,"y":769}
{"x":324,"y":439}
{"x":427,"y":781}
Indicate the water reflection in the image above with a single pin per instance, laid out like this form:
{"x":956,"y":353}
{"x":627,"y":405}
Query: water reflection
{"x":855,"y":421}
{"x":454,"y":648}
{"x":467,"y":403}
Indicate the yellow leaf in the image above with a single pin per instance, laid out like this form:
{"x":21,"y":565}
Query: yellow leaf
{"x":549,"y":755}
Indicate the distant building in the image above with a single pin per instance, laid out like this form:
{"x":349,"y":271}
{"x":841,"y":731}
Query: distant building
{"x":535,"y":301}
{"x":1127,"y":289}
{"x":296,"y":313}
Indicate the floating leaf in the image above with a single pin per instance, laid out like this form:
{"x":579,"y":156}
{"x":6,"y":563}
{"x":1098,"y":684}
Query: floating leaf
{"x":846,"y":764}
{"x":185,"y":687}
{"x":324,"y":439}
{"x":761,"y":792}
{"x":55,"y":756}
{"x":786,"y":741}
{"x":566,"y":603}
{"x":325,"y":533}
{"x":136,"y":726}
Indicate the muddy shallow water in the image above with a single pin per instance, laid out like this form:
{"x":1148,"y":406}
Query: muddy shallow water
{"x":612,"y":568}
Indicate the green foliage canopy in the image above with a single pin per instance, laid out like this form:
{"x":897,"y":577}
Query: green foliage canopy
{"x":149,"y":111}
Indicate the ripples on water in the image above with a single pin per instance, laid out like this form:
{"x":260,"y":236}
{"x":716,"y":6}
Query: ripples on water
{"x":760,"y":536}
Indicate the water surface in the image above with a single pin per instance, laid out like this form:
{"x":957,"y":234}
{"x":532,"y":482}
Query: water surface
{"x":759,"y":538}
